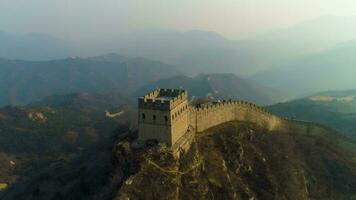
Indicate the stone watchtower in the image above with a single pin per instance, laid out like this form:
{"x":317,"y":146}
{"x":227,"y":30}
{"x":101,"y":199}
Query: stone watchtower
{"x":163,"y":115}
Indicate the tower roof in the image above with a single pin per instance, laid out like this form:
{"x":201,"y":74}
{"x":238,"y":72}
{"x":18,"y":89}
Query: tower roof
{"x":164,"y":98}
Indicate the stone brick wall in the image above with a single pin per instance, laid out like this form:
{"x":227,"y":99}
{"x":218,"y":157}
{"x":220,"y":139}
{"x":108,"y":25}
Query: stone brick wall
{"x":158,"y":128}
{"x":211,"y":115}
{"x":180,"y":120}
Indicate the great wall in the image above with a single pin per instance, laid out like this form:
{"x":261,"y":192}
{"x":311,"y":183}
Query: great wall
{"x":166,"y":115}
{"x":206,"y":116}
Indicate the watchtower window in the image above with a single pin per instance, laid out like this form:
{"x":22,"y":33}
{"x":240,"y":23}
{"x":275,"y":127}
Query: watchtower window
{"x":166,"y":118}
{"x":143,"y":116}
{"x":154,"y":117}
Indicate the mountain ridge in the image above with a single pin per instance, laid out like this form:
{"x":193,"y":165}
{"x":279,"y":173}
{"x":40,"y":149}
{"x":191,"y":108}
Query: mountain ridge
{"x":218,"y":86}
{"x":70,"y":75}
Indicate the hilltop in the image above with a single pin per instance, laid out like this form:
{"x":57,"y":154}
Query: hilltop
{"x":244,"y":161}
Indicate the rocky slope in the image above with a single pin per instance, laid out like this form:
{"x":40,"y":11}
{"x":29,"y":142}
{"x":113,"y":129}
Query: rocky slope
{"x":238,"y":160}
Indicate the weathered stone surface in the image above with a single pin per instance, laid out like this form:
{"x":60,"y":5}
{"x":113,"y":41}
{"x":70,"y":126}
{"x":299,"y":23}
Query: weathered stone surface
{"x":165,"y":115}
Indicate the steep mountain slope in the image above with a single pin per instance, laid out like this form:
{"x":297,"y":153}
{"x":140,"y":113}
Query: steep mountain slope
{"x":335,"y":109}
{"x":60,"y":148}
{"x":33,"y":46}
{"x":330,"y":70}
{"x":238,"y":160}
{"x":218,"y":86}
{"x":22,"y":82}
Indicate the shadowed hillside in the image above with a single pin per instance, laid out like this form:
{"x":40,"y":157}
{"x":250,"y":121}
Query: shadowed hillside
{"x":238,"y":160}
{"x":61,"y":148}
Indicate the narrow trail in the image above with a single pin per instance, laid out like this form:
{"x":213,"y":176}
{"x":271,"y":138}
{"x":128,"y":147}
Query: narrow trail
{"x":172,"y":171}
{"x":113,"y":115}
{"x":225,"y":169}
{"x":178,"y":179}
{"x":176,"y":172}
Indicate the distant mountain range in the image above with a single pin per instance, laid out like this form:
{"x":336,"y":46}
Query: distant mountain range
{"x":307,"y":37}
{"x":33,"y":46}
{"x":329,"y":70}
{"x":194,"y":52}
{"x":336,"y":109}
{"x":23,"y":82}
{"x":299,"y":61}
{"x":218,"y":87}
{"x":208,"y":52}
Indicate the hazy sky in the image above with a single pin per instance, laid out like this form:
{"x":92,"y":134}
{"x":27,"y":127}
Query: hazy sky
{"x":104,"y":18}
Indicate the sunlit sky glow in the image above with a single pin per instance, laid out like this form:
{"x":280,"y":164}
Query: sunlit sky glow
{"x":72,"y":19}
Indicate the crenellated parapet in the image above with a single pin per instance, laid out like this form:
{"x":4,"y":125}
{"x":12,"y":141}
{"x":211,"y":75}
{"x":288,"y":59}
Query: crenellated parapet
{"x":211,"y":107}
{"x":163,"y":99}
{"x":208,"y":115}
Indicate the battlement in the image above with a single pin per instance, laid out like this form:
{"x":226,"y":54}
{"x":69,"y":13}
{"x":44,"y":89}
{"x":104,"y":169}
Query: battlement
{"x":211,"y":107}
{"x":163,"y":99}
{"x":205,"y":116}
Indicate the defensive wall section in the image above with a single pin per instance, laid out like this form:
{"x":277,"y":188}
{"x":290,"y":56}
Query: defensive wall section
{"x":166,"y":115}
{"x":205,"y":116}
